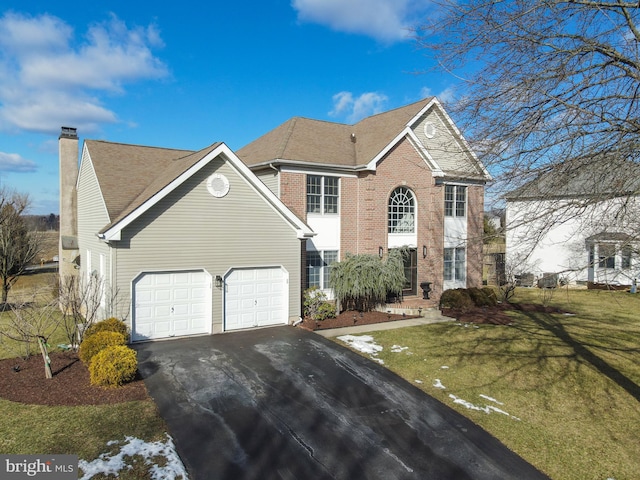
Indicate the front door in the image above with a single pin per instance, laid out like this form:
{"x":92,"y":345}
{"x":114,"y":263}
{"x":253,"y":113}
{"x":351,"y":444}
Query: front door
{"x":410,"y":272}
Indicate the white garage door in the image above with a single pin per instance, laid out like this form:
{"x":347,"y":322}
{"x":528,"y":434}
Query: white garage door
{"x":256,"y":298}
{"x":171,"y":304}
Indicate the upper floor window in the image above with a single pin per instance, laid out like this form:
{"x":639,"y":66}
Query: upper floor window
{"x":322,"y":194}
{"x":455,"y":200}
{"x":401,"y":218}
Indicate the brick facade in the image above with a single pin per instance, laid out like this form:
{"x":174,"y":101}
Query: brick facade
{"x":363,"y":213}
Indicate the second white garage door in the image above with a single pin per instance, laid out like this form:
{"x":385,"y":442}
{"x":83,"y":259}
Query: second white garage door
{"x":171,"y":304}
{"x":256,"y":298}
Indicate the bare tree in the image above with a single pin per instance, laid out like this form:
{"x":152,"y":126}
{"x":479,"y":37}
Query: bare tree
{"x":83,"y":302}
{"x":31,"y":322}
{"x":18,"y":246}
{"x":543,"y":83}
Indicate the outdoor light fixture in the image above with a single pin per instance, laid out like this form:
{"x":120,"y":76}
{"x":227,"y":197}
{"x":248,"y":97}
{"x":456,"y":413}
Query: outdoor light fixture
{"x":218,"y":281}
{"x":380,"y":252}
{"x":424,"y":251}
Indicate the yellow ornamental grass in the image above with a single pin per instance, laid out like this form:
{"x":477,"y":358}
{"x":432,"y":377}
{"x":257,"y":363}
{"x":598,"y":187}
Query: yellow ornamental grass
{"x":93,"y":344}
{"x":113,"y":366}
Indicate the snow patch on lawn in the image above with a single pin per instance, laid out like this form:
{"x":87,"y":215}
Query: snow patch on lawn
{"x":364,"y":344}
{"x":486,"y":409}
{"x":438,"y":384}
{"x":491,"y":399}
{"x":398,"y":348}
{"x":111,"y":464}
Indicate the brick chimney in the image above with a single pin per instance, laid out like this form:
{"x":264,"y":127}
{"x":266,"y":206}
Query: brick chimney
{"x":68,"y":253}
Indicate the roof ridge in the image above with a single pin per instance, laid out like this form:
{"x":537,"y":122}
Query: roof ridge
{"x":287,"y":136}
{"x":424,"y":101}
{"x":140,"y":146}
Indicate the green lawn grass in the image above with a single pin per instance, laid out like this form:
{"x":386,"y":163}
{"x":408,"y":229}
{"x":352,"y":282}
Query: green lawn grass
{"x":569,"y":384}
{"x":85,"y":430}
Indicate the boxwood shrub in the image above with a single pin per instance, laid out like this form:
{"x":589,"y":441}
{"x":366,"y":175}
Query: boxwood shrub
{"x":109,"y":325}
{"x":113,"y":366}
{"x":93,"y":344}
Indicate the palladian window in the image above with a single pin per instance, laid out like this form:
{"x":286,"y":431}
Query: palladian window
{"x":401,"y":218}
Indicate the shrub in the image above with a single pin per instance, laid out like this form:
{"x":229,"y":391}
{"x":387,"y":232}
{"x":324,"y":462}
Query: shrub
{"x":316,"y":305}
{"x":93,"y":344}
{"x":457,"y":298}
{"x":480,"y":297}
{"x":113,"y":366}
{"x":362,"y":282}
{"x":109,"y":325}
{"x":491,"y":293}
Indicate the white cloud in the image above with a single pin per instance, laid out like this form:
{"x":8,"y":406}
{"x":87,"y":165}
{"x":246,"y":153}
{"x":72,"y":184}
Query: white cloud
{"x":12,"y":162}
{"x":384,"y":20}
{"x":355,"y":109}
{"x":50,"y":79}
{"x":447,"y":95}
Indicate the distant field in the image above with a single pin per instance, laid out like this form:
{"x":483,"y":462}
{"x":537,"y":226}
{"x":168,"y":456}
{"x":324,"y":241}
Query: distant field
{"x":49,"y":246}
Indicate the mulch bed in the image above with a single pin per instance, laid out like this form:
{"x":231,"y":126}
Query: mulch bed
{"x":69,"y":386}
{"x":496,"y":315}
{"x":351,"y":318}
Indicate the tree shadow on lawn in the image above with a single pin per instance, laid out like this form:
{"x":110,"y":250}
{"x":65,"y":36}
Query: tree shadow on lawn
{"x":548,"y":321}
{"x":581,"y":350}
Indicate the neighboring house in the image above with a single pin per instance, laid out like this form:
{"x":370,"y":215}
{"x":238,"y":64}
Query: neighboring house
{"x":579,"y":222}
{"x":187,"y":242}
{"x":403,"y":178}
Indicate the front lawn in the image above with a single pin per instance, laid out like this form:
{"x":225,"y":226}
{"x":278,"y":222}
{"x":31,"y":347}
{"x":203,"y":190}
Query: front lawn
{"x":89,"y":431}
{"x":560,"y":390}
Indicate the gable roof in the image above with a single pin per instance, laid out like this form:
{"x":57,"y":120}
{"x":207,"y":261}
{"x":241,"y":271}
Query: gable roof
{"x":584,"y":177}
{"x":302,"y":141}
{"x":133,"y":178}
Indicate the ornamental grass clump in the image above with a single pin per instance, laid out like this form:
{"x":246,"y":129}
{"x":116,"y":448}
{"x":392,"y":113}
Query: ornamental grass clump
{"x":113,"y":366}
{"x":362,"y":282}
{"x":93,"y":344}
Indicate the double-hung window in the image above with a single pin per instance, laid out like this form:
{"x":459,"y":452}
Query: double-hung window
{"x":455,"y":200}
{"x":454,"y":264}
{"x":606,"y":255}
{"x":322,"y":194}
{"x":319,"y":267}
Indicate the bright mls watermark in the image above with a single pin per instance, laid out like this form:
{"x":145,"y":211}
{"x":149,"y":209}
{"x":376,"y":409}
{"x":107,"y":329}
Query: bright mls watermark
{"x":49,"y":467}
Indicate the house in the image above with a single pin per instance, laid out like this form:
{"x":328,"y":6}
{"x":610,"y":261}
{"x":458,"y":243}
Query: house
{"x":183,"y":242}
{"x":402,"y":178}
{"x":576,"y":222}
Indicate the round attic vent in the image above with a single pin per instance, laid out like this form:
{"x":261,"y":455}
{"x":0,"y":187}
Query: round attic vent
{"x":218,"y":185}
{"x":429,"y":130}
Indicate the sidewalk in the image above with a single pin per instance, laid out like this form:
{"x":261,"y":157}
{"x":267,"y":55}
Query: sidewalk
{"x":375,"y":327}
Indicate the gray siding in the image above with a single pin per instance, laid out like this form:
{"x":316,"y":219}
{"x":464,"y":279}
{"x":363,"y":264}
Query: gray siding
{"x":271,"y":179}
{"x":92,"y":216}
{"x":444,"y":147}
{"x":191,"y":229}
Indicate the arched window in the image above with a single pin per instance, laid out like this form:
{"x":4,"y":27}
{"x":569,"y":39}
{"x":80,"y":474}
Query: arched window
{"x":401,"y":218}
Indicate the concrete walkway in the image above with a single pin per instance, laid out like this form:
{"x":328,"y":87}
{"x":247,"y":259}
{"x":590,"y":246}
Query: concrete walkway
{"x":376,"y":327}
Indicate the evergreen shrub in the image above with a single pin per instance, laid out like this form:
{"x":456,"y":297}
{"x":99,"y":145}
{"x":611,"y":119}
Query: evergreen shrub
{"x":93,"y":344}
{"x":109,"y":325}
{"x":316,"y":305}
{"x":113,"y":366}
{"x":457,"y":298}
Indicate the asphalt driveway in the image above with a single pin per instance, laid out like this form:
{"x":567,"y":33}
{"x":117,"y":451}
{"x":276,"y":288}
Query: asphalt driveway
{"x":284,"y":403}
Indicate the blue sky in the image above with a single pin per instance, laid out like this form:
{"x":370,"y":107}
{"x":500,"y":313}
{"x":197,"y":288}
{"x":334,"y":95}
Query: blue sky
{"x":186,"y":74}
